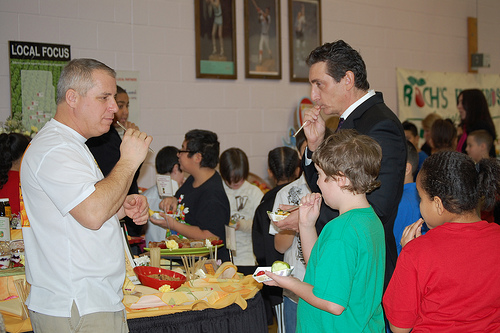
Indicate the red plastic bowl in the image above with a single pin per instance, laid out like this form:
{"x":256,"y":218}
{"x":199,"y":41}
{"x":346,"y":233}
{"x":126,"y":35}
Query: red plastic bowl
{"x":143,"y":272}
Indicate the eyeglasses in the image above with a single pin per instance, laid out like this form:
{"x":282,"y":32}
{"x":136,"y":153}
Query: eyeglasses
{"x":184,"y":151}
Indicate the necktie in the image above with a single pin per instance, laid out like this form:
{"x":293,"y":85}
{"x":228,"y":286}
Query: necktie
{"x":341,"y":121}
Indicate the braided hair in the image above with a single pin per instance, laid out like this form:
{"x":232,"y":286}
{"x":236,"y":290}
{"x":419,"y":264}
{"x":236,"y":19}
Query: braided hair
{"x":283,"y":163}
{"x":459,"y":183}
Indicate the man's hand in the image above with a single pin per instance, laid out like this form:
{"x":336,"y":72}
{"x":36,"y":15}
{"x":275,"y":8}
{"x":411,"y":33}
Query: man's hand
{"x":315,"y":128}
{"x":134,"y":147}
{"x":411,"y":232}
{"x":291,"y":222}
{"x":136,"y":207}
{"x":168,"y":204}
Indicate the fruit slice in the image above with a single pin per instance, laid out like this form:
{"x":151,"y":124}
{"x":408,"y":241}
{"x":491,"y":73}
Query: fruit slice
{"x":279,"y":266}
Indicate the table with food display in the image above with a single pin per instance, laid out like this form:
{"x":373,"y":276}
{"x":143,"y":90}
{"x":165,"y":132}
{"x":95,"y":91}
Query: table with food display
{"x":199,"y":295}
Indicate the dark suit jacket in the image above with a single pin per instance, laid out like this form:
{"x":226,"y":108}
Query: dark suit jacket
{"x":375,"y":119}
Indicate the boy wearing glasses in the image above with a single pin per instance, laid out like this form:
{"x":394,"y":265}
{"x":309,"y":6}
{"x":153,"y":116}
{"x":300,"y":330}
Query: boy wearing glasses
{"x":201,"y":201}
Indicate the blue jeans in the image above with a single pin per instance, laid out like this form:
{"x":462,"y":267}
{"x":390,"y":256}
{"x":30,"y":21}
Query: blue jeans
{"x":290,"y":310}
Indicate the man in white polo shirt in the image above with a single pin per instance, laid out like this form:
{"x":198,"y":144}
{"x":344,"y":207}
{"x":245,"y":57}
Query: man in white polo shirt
{"x":74,"y":248}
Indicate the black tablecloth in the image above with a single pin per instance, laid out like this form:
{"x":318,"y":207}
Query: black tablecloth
{"x":227,"y":320}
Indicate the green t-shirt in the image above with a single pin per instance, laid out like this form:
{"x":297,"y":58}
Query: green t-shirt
{"x":347,"y":266}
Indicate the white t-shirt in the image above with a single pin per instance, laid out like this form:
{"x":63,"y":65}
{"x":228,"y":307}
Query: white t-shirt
{"x":291,"y":195}
{"x":65,"y":261}
{"x":243,"y":203}
{"x":155,"y":233}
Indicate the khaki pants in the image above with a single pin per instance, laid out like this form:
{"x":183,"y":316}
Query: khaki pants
{"x":105,"y":322}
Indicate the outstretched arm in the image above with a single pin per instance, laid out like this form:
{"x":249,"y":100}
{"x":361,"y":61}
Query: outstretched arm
{"x":257,"y":7}
{"x":305,"y":291}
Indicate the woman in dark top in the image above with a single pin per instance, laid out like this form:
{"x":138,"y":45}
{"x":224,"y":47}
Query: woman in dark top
{"x":283,"y":168}
{"x":474,"y":115}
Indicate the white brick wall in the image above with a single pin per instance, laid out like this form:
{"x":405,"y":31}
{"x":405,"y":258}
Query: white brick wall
{"x":156,"y":38}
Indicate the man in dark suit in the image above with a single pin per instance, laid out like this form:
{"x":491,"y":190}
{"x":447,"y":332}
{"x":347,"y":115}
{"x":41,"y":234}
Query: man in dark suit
{"x":339,"y":87}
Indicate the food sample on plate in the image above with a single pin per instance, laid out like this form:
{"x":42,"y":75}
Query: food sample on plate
{"x":172,"y":214}
{"x":184,"y":243}
{"x":156,"y":214}
{"x":196,"y":244}
{"x":279,"y":265}
{"x":164,"y":277}
{"x":172,"y":244}
{"x":279,"y":268}
{"x":278,"y":215}
{"x":155,"y":277}
{"x":161,"y":245}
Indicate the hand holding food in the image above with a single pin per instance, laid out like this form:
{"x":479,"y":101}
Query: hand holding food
{"x":280,"y":281}
{"x":280,"y":268}
{"x":168,"y":204}
{"x":278,"y":215}
{"x":134,"y":147}
{"x":315,"y":128}
{"x":290,"y":221}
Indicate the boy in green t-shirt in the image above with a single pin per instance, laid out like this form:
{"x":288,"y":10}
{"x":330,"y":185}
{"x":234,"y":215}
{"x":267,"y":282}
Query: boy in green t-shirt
{"x":342,"y":288}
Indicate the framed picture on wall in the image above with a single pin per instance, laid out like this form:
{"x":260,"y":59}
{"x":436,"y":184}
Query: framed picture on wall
{"x":304,"y":25}
{"x":215,"y":29}
{"x":262,"y":39}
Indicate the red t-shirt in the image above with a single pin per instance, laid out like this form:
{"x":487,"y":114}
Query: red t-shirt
{"x":448,"y":280}
{"x":11,"y":190}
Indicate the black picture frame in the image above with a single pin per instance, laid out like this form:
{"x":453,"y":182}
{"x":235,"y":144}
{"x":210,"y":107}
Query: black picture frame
{"x":215,"y":56}
{"x":304,"y":26}
{"x":263,"y":39}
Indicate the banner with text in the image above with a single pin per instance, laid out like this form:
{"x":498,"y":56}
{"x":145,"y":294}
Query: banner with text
{"x":34,"y":72}
{"x":421,"y":92}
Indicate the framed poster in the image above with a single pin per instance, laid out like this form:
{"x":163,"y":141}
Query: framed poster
{"x":262,"y":39}
{"x":304,"y":26}
{"x":215,"y":31}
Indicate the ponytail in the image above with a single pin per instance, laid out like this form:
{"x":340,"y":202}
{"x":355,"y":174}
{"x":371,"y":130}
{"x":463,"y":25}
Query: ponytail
{"x":12,"y":147}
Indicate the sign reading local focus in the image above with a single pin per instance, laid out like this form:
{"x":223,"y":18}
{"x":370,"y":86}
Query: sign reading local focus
{"x":34,"y":71}
{"x":422,"y":92}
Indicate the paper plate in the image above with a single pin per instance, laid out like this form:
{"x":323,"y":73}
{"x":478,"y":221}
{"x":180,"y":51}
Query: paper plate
{"x":265,"y":278}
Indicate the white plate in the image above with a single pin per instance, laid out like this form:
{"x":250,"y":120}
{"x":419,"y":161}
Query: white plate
{"x":157,"y":216}
{"x":265,"y":278}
